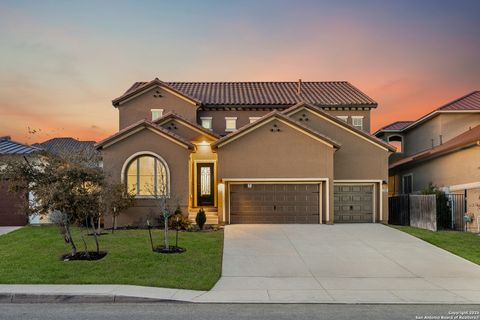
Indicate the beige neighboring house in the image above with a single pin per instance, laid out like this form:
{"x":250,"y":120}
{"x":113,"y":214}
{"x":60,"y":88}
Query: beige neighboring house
{"x":250,"y":152}
{"x":443,"y":148}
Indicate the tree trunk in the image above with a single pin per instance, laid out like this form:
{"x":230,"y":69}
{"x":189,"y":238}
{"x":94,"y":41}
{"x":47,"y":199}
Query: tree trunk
{"x":95,"y":236}
{"x":166,"y":231}
{"x":70,"y":238}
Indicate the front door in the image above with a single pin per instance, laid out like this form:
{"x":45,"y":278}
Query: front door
{"x":205,"y":184}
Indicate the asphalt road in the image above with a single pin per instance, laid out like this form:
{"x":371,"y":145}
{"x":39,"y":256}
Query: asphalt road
{"x":186,"y":311}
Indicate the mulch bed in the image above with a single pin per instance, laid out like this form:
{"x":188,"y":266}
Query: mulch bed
{"x":91,"y":256}
{"x":171,"y":249}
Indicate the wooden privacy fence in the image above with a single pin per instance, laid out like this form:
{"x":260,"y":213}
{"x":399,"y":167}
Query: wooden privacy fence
{"x":413,"y":210}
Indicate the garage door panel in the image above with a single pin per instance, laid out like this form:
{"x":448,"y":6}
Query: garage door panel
{"x":353,"y":203}
{"x":274,"y":203}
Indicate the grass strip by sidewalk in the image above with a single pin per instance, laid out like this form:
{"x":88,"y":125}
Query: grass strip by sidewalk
{"x":31,"y":255}
{"x":463,"y":244}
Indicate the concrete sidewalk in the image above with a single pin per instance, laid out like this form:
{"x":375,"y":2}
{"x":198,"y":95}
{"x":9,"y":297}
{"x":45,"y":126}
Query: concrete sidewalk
{"x":31,"y":293}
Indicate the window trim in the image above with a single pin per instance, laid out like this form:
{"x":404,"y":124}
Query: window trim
{"x":403,"y":182}
{"x":156,"y":110}
{"x":137,"y":155}
{"x":360,"y":118}
{"x":207,"y":118}
{"x":253,"y":119}
{"x":230,"y":129}
{"x":343,"y":118}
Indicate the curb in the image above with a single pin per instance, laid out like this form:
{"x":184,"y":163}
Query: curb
{"x":65,"y":298}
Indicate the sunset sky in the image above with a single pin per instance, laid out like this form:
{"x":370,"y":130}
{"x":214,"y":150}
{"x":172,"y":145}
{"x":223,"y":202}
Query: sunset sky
{"x":62,"y":62}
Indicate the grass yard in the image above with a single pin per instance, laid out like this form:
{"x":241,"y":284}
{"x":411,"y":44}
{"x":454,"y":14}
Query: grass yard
{"x":31,"y":255}
{"x":463,"y":244}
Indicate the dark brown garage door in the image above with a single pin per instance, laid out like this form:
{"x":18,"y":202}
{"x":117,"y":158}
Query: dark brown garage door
{"x":353,"y":203}
{"x":9,"y":208}
{"x":274,"y":203}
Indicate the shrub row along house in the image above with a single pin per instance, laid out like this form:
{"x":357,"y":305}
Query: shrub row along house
{"x":441,"y":148}
{"x":250,"y":152}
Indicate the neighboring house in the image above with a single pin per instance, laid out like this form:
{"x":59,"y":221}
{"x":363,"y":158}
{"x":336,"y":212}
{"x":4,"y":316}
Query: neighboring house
{"x":250,"y":152}
{"x":70,"y":147}
{"x":443,"y":148}
{"x":10,"y":203}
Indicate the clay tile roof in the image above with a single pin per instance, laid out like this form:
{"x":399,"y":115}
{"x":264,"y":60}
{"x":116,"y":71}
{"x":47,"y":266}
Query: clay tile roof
{"x":145,"y":123}
{"x":396,"y":126}
{"x":325,"y":93}
{"x":466,"y":139}
{"x":10,"y":147}
{"x":275,"y":114}
{"x":470,"y":101}
{"x":174,"y":116}
{"x":66,"y":145}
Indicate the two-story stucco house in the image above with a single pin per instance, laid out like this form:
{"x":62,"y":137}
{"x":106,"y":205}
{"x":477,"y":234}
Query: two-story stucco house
{"x":250,"y":152}
{"x":443,"y":148}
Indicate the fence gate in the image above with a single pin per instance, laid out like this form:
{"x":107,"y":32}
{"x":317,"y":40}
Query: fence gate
{"x":451,"y":211}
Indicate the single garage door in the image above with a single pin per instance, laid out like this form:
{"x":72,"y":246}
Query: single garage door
{"x":353,"y":203}
{"x":274,"y":203}
{"x":9,"y":208}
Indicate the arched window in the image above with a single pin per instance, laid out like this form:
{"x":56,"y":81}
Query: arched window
{"x":147,"y":175}
{"x":397,"y":142}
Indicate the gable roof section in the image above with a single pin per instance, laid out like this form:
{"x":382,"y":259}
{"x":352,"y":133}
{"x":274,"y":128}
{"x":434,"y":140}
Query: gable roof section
{"x":66,"y":145}
{"x":173,"y":116}
{"x":139,"y":87}
{"x":465,"y":140}
{"x":138,"y":126}
{"x":274,"y":115}
{"x":322,"y":93}
{"x":395,"y":126}
{"x":10,"y":147}
{"x":467,"y":103}
{"x":340,"y":123}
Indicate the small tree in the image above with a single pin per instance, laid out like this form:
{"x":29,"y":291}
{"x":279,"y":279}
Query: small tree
{"x":114,"y":199}
{"x":69,"y":186}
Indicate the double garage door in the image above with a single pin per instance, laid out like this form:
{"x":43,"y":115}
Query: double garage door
{"x":274,"y":203}
{"x":297,"y":203}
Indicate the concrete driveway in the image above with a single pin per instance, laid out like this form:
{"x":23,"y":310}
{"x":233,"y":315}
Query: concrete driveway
{"x":344,"y":263}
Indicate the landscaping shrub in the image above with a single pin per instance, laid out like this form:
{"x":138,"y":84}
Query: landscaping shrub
{"x":201,"y":218}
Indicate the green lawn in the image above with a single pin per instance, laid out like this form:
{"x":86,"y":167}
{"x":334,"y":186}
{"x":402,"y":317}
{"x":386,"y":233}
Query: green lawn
{"x":31,"y":255}
{"x":463,"y":244}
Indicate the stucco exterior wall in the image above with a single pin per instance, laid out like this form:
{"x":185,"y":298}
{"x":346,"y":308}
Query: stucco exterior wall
{"x":449,"y":125}
{"x":286,"y":154}
{"x":362,"y":113}
{"x":219,"y":122}
{"x":139,"y":107}
{"x":455,"y":168}
{"x":177,"y":159}
{"x":357,"y":159}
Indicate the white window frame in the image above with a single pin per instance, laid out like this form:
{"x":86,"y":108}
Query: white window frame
{"x":403,"y":182}
{"x":343,"y":118}
{"x":253,"y":119}
{"x":157,"y":110}
{"x":227,"y":129}
{"x":361,"y":121}
{"x":209,"y":119}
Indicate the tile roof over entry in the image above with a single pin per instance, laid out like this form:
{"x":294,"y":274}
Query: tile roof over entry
{"x":331,"y":93}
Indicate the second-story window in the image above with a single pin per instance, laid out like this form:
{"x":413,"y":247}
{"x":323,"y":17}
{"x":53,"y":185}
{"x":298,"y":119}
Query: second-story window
{"x":343,"y":118}
{"x":156,"y":114}
{"x":357,"y":122}
{"x":230,"y":124}
{"x":253,"y":119}
{"x":206,"y":122}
